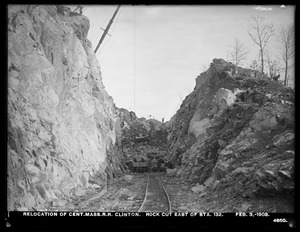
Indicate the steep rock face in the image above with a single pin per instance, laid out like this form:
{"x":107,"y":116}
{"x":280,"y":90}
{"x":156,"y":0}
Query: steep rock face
{"x":62,"y":123}
{"x":235,"y":129}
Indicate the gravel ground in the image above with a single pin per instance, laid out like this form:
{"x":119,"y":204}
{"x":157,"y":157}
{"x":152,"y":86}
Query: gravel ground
{"x":225,"y":201}
{"x":126,"y":194}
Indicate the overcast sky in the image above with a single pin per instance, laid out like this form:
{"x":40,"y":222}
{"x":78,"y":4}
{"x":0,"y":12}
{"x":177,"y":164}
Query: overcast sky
{"x":172,"y":44}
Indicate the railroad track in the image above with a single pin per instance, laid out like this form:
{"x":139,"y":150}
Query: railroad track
{"x":146,"y":193}
{"x":156,"y":197}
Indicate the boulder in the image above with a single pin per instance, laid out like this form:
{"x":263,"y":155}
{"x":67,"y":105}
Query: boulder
{"x":198,"y":128}
{"x":224,"y":98}
{"x":209,"y":181}
{"x":198,"y":188}
{"x":215,"y":184}
{"x":171,"y":172}
{"x":244,"y":208}
{"x":128,"y":177}
{"x":79,"y":191}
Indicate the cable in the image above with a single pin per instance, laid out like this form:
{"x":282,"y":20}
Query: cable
{"x":134,"y":33}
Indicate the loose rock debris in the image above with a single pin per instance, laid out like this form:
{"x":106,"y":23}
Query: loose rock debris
{"x":128,"y":196}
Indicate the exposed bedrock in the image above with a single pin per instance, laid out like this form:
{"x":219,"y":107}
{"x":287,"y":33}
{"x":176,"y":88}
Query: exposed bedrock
{"x":62,"y":124}
{"x":236,"y":129}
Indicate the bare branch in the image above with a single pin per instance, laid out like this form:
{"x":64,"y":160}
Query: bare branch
{"x":287,"y":41}
{"x":253,"y":38}
{"x":273,"y":65}
{"x":260,"y":34}
{"x":238,"y":52}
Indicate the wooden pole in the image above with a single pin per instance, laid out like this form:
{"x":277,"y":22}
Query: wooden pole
{"x":107,"y":28}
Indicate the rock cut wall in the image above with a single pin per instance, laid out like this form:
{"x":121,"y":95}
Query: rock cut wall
{"x":61,"y":122}
{"x":236,"y":129}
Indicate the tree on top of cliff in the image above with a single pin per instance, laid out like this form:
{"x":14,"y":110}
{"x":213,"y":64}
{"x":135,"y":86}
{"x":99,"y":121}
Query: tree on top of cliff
{"x":287,"y":41}
{"x":260,"y":33}
{"x":273,"y":66}
{"x":238,"y":52}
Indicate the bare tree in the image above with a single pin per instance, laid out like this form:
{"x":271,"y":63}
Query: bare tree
{"x":273,"y":66}
{"x":260,"y":32}
{"x":238,"y":52}
{"x":287,"y":40}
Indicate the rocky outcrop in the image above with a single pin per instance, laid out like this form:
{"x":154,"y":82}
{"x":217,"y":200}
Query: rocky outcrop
{"x":236,"y":129}
{"x":141,"y":136}
{"x":62,"y":124}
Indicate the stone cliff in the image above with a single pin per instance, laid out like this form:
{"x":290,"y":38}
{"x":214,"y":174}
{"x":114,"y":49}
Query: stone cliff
{"x":233,"y":134}
{"x":62,"y":124}
{"x":235,"y":131}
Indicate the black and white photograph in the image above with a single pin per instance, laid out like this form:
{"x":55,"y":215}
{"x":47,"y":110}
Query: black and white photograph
{"x":139,"y":115}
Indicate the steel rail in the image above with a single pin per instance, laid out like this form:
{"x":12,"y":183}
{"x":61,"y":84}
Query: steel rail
{"x":169,"y":201}
{"x":141,"y":207}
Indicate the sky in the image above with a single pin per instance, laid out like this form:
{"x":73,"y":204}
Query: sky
{"x":154,"y":54}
